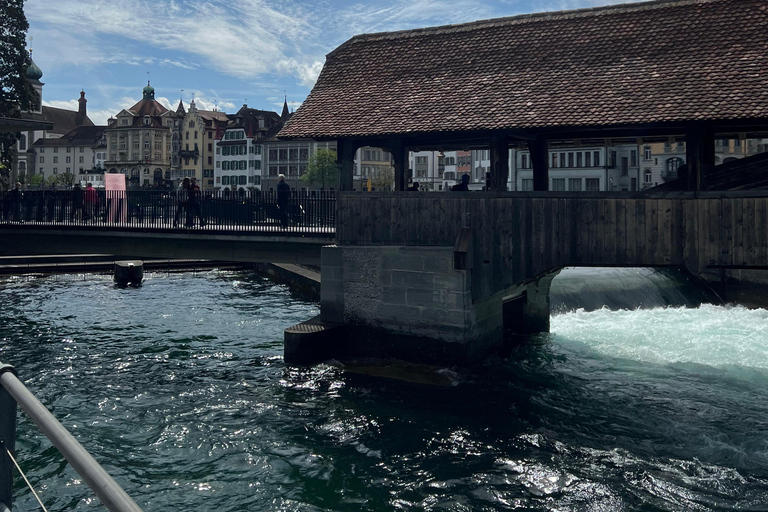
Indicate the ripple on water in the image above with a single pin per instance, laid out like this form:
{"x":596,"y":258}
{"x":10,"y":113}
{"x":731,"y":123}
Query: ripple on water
{"x":180,"y":390}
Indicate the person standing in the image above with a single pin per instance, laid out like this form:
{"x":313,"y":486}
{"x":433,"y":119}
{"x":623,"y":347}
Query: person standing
{"x":283,"y":200}
{"x":463,"y":186}
{"x":77,"y":203}
{"x":182,"y":196}
{"x":90,"y":201}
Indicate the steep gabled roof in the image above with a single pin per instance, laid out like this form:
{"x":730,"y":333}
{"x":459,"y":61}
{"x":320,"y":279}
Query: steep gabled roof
{"x":80,"y":136}
{"x":64,"y":120}
{"x":652,"y":62}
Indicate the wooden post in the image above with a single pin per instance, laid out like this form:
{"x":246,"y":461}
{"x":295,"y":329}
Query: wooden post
{"x":699,"y":156}
{"x":499,"y":162}
{"x":400,"y":156}
{"x":539,"y":156}
{"x":345,"y":158}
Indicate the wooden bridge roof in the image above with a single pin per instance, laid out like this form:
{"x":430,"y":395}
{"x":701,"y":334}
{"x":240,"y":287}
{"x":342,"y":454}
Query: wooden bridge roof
{"x":646,"y":63}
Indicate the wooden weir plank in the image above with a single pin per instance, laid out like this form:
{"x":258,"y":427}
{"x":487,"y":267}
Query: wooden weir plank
{"x":621,"y":231}
{"x":641,"y":240}
{"x":515,"y":241}
{"x":713,"y":235}
{"x":595,"y":230}
{"x":598,"y":216}
{"x":727,"y":222}
{"x":678,"y":232}
{"x":691,"y":248}
{"x":665,"y":232}
{"x":652,"y":230}
{"x":582,"y":210}
{"x":749,"y":231}
{"x":609,"y":231}
{"x":704,"y":211}
{"x":526,"y":239}
{"x":761,"y":251}
{"x":738,"y":232}
{"x":560,"y":234}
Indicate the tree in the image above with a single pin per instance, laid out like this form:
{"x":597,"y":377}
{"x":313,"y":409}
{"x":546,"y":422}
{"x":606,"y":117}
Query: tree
{"x":322,"y":168}
{"x":66,"y":179}
{"x":16,"y":92}
{"x":383,"y":178}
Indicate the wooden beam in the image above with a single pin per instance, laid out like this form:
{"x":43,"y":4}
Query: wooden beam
{"x":499,"y":161}
{"x":400,"y":156}
{"x":345,"y":158}
{"x":539,"y":160}
{"x":699,"y":155}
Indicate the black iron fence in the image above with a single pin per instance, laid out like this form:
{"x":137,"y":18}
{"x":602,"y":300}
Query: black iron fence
{"x":253,"y":211}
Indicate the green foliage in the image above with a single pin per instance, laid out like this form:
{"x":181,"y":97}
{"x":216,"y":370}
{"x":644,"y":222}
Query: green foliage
{"x":66,"y":179}
{"x":322,"y":168}
{"x":16,"y":93}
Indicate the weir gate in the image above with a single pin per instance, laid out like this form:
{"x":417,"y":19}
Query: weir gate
{"x":452,"y":270}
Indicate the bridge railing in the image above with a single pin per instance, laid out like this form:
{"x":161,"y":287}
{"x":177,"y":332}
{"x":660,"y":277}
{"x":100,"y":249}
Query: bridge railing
{"x":240,"y":211}
{"x":12,"y":392}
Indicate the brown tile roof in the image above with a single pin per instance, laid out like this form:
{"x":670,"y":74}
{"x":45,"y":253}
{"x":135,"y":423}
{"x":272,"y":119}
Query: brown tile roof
{"x":652,"y":62}
{"x":64,"y":120}
{"x":148,"y":108}
{"x":80,"y":136}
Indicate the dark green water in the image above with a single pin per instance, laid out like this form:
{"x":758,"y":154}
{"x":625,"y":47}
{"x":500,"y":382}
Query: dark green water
{"x":179,"y":389}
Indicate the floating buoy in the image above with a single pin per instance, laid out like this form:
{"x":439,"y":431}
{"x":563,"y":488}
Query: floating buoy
{"x":129,"y":272}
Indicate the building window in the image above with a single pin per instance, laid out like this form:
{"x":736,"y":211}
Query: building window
{"x":55,"y":150}
{"x":210,"y":135}
{"x":294,"y":154}
{"x":671,"y":165}
{"x":578,"y":159}
{"x":23,"y":142}
{"x":257,"y":150}
{"x":523,"y":161}
{"x":527,"y":185}
{"x":273,"y":170}
{"x":648,"y":176}
{"x":303,"y":154}
{"x":283,"y":154}
{"x":587,"y":159}
{"x":554,"y":160}
{"x":574,"y":184}
{"x":558,"y":184}
{"x":42,"y":159}
{"x":596,"y":156}
{"x":647,"y":153}
{"x":81,"y":160}
{"x":633,"y":158}
{"x":570,"y":160}
{"x":55,"y":159}
{"x":592,"y":184}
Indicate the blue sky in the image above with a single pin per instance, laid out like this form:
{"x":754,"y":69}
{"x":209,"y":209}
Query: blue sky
{"x":220,"y":52}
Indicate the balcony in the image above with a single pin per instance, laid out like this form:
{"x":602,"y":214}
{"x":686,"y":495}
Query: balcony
{"x":189,"y":153}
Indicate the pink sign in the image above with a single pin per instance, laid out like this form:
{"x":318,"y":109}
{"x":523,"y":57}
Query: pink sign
{"x":117,"y":207}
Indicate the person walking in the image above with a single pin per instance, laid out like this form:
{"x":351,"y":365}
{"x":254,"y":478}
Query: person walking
{"x":194,"y":207}
{"x":182,"y":196}
{"x":283,"y":200}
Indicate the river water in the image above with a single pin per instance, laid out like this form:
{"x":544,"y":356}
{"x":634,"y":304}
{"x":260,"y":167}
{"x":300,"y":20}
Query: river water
{"x":179,"y":389}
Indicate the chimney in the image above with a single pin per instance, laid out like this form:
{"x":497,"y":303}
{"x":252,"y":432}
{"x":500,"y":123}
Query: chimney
{"x":82,"y":101}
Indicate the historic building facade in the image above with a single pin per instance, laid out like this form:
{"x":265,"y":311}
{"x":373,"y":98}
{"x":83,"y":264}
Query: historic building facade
{"x":139,"y":141}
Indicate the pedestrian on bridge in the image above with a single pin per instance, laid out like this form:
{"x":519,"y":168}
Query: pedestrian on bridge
{"x":91,"y":202}
{"x":182,"y":196}
{"x":194,"y":207}
{"x":283,"y":200}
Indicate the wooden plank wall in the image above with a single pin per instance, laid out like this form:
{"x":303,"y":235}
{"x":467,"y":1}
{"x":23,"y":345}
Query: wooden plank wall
{"x":519,"y":236}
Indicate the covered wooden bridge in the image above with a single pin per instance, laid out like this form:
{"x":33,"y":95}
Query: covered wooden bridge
{"x":440,"y":267}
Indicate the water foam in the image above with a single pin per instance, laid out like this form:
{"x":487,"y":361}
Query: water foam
{"x":718,"y":336}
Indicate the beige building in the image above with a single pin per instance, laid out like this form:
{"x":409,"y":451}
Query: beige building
{"x":139,"y":141}
{"x":197,"y":145}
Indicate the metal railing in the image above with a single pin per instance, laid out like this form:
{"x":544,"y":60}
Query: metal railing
{"x":303,"y":213}
{"x":12,"y":392}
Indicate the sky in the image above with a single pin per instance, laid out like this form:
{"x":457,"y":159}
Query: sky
{"x":221,"y":53}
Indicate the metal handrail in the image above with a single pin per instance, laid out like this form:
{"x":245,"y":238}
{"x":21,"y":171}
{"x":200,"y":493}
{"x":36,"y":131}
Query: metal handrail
{"x":101,"y":483}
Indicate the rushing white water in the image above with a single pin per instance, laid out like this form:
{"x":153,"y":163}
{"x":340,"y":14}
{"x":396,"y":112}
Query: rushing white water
{"x":718,"y":336}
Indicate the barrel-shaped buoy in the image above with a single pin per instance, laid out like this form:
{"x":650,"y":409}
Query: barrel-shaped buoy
{"x":129,"y":272}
